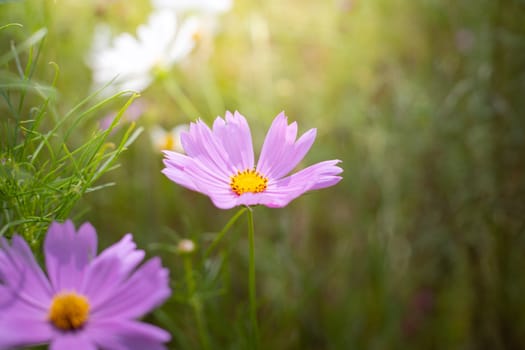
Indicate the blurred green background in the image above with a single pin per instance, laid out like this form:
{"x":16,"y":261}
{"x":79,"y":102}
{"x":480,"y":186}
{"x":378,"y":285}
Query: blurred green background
{"x":420,"y":246}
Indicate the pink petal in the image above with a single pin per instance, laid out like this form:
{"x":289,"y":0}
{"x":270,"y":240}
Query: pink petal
{"x":102,"y":277}
{"x":145,"y":289}
{"x":195,"y":175}
{"x":21,"y":275}
{"x":319,"y":175}
{"x":281,"y":152}
{"x":72,"y":340}
{"x":236,"y":138}
{"x":67,"y":253}
{"x":110,"y":269}
{"x":283,"y":191}
{"x":224,"y":199}
{"x":202,"y":145}
{"x":192,"y":172}
{"x":127,"y":335}
{"x":272,"y":146}
{"x":175,"y":164}
{"x":271,"y":200}
{"x":17,"y":331}
{"x":292,"y":154}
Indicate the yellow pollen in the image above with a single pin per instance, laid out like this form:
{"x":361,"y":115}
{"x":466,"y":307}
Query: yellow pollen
{"x":68,"y":311}
{"x":249,"y":180}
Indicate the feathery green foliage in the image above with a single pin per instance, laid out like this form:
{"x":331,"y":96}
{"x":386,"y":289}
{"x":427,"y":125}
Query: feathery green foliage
{"x":49,"y":158}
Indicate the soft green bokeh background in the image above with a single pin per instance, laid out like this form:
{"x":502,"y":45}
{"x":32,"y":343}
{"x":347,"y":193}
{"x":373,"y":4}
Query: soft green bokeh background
{"x":420,"y":246}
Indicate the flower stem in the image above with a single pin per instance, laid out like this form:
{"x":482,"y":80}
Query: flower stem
{"x":223,"y":231}
{"x":180,"y":97}
{"x":195,"y":302}
{"x":251,"y":280}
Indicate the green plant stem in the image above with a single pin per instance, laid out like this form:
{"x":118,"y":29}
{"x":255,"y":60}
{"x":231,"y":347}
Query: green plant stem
{"x":180,"y":97}
{"x":225,"y":229}
{"x":195,"y":302}
{"x":251,"y":281}
{"x":211,"y":90}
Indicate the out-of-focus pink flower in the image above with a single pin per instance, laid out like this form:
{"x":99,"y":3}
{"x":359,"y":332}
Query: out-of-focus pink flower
{"x":134,"y":112}
{"x":85,"y":301}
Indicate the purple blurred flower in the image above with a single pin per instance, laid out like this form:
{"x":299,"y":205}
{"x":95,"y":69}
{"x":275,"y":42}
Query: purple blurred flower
{"x":418,"y":311}
{"x":134,"y":112}
{"x":85,"y":301}
{"x":220,"y":163}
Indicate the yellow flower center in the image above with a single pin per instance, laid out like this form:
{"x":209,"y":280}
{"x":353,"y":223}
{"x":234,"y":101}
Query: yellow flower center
{"x":168,"y":142}
{"x":197,"y":36}
{"x":249,"y":180}
{"x":69,"y":311}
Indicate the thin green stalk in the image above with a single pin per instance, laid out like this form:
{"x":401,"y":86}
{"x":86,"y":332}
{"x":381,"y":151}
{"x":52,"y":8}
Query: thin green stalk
{"x":195,"y":302}
{"x":212,"y":91}
{"x":203,"y":332}
{"x":180,"y":97}
{"x":251,"y":280}
{"x":225,"y":229}
{"x":188,"y":269}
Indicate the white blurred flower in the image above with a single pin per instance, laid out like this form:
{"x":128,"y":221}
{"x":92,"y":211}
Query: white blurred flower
{"x":168,"y":140}
{"x":206,"y":10}
{"x":134,"y":61}
{"x":201,"y":6}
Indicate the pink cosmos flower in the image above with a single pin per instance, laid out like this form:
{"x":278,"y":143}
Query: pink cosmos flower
{"x":85,"y":301}
{"x":219,"y":163}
